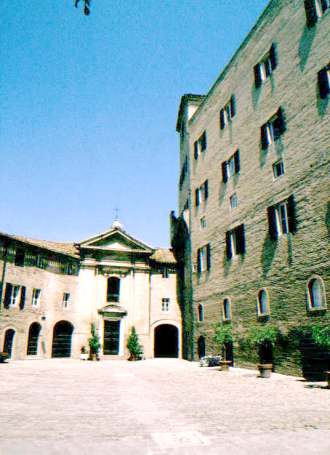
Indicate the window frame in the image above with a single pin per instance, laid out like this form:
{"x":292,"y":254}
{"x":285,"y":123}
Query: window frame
{"x":204,"y":259}
{"x":236,"y":242}
{"x":260,"y":313}
{"x":227,"y":112}
{"x":233,"y":163}
{"x":200,"y":145}
{"x":225,"y":301}
{"x":275,"y":218}
{"x":233,"y":198}
{"x":36,"y":296}
{"x":273,"y":129}
{"x":310,"y":307}
{"x":66,"y":300}
{"x":274,"y":167}
{"x":266,"y":66}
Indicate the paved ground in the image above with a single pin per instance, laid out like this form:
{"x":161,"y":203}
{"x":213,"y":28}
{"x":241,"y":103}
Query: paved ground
{"x":161,"y":406}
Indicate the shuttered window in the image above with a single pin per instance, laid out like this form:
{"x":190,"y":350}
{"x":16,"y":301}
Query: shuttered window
{"x":202,"y":193}
{"x":200,"y":145}
{"x":324,"y":81}
{"x":231,"y":167}
{"x":235,"y":242}
{"x":204,"y":258}
{"x":282,"y":218}
{"x":272,"y":130}
{"x":315,"y":9}
{"x":228,"y":112}
{"x":266,"y":66}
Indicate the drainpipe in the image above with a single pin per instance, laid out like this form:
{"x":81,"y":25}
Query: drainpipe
{"x":5,"y":260}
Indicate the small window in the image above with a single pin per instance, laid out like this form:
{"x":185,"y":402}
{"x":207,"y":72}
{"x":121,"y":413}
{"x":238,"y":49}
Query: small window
{"x":200,"y":313}
{"x":113,"y":289}
{"x":233,"y":201}
{"x":204,"y":259}
{"x":263,"y":303}
{"x":324,"y":81}
{"x":278,"y":169}
{"x":315,"y":9}
{"x":165,"y":304}
{"x":203,"y":223}
{"x":282,"y":218}
{"x":165,"y":273}
{"x":226,"y":310}
{"x":228,"y":112}
{"x":202,"y":193}
{"x":265,"y":67}
{"x":66,"y":300}
{"x":235,"y":242}
{"x":19,"y":257}
{"x":231,"y":167}
{"x":200,"y":145}
{"x":273,"y":129}
{"x":316,"y":294}
{"x":36,"y":297}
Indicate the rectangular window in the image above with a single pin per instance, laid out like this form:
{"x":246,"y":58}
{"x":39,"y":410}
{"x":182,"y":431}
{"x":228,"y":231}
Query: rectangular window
{"x":235,"y":242}
{"x":228,"y":112}
{"x":15,"y":295}
{"x":273,"y":129}
{"x":36,"y":297}
{"x":165,"y":304}
{"x":278,"y":169}
{"x":281,"y":218}
{"x":315,"y":9}
{"x":233,"y":201}
{"x":204,"y":258}
{"x":66,"y":300}
{"x":42,"y":261}
{"x":324,"y":81}
{"x":265,"y":67}
{"x":202,"y":193}
{"x":200,"y":145}
{"x":203,"y":222}
{"x":231,"y":167}
{"x":19,"y":257}
{"x":226,"y":310}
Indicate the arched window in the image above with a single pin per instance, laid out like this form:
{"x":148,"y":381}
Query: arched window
{"x":33,"y":339}
{"x":200,"y":313}
{"x":226,"y":310}
{"x":113,"y":289}
{"x":263,"y":303}
{"x":316,"y":294}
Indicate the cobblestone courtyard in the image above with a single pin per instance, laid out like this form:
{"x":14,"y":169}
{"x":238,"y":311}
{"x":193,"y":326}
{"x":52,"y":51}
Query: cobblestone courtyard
{"x":160,"y":406}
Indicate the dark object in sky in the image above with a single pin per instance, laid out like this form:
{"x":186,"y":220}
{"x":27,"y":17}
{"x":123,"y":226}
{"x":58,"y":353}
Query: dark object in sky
{"x":87,"y":4}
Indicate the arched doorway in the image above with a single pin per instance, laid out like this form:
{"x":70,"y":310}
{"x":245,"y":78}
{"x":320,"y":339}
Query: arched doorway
{"x":166,"y":341}
{"x":8,"y":342}
{"x":33,"y":339}
{"x":201,"y":347}
{"x":62,"y":336}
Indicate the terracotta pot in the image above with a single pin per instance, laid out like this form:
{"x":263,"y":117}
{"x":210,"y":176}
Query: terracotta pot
{"x":265,"y":369}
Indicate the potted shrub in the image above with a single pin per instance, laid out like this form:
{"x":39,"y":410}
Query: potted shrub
{"x":223,"y":334}
{"x":261,"y":336}
{"x":83,"y":353}
{"x":133,"y":345}
{"x":94,"y":344}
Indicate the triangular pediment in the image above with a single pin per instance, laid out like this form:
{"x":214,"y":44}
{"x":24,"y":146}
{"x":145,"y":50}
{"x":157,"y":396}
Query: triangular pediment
{"x":115,"y":240}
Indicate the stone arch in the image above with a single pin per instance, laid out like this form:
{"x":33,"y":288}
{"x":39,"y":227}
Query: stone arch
{"x":8,"y":342}
{"x":166,"y":340}
{"x":33,"y":339}
{"x":62,"y":339}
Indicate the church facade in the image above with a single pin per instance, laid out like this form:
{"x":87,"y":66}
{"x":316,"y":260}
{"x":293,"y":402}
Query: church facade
{"x":51,"y":294}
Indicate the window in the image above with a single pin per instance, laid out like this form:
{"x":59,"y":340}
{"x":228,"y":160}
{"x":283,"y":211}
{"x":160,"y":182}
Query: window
{"x":278,"y":169}
{"x":200,"y":145}
{"x":203,"y":223}
{"x":66,"y":300}
{"x":202,"y":193}
{"x":324,"y":81}
{"x":228,"y":112}
{"x":113,"y":289}
{"x":226,"y":310}
{"x":42,"y":261}
{"x":281,"y":218}
{"x":165,"y":304}
{"x":14,"y":295}
{"x":165,"y":273}
{"x":231,"y":167}
{"x":273,"y":129}
{"x":235,"y":242}
{"x":265,"y":67}
{"x":204,"y":258}
{"x":200,"y":313}
{"x":36,"y":297}
{"x":19,"y":257}
{"x":233,"y":201}
{"x":316,"y":294}
{"x":315,"y":9}
{"x":262,"y":303}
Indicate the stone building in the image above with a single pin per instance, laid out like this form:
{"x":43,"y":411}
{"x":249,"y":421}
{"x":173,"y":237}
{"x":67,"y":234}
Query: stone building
{"x":251,"y":236}
{"x":53,"y":292}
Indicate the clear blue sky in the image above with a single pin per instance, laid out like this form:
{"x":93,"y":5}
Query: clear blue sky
{"x":88,"y":108}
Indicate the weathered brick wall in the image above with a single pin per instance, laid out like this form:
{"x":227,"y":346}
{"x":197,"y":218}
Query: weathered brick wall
{"x":284,"y":266}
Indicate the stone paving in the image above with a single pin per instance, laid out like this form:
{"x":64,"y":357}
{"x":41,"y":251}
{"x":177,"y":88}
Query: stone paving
{"x":161,"y":406}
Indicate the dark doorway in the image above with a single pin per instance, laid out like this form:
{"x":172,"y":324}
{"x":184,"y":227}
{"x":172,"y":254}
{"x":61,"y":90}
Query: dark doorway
{"x":228,"y":352}
{"x":266,"y":353}
{"x":111,"y":337}
{"x":201,"y":347}
{"x":8,"y":342}
{"x":62,"y":336}
{"x":33,"y":339}
{"x":166,"y":341}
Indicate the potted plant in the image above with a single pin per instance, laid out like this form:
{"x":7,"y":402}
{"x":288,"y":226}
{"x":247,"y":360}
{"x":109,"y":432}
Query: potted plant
{"x":264,"y":336}
{"x":134,"y":346}
{"x":94,"y":344}
{"x":83,"y":353}
{"x":223,"y":334}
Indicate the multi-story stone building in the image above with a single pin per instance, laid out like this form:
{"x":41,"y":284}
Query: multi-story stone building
{"x":252,"y":232}
{"x":53,"y":292}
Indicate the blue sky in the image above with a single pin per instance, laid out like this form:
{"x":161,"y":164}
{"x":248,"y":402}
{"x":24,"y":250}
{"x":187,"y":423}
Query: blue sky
{"x":88,"y":108}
